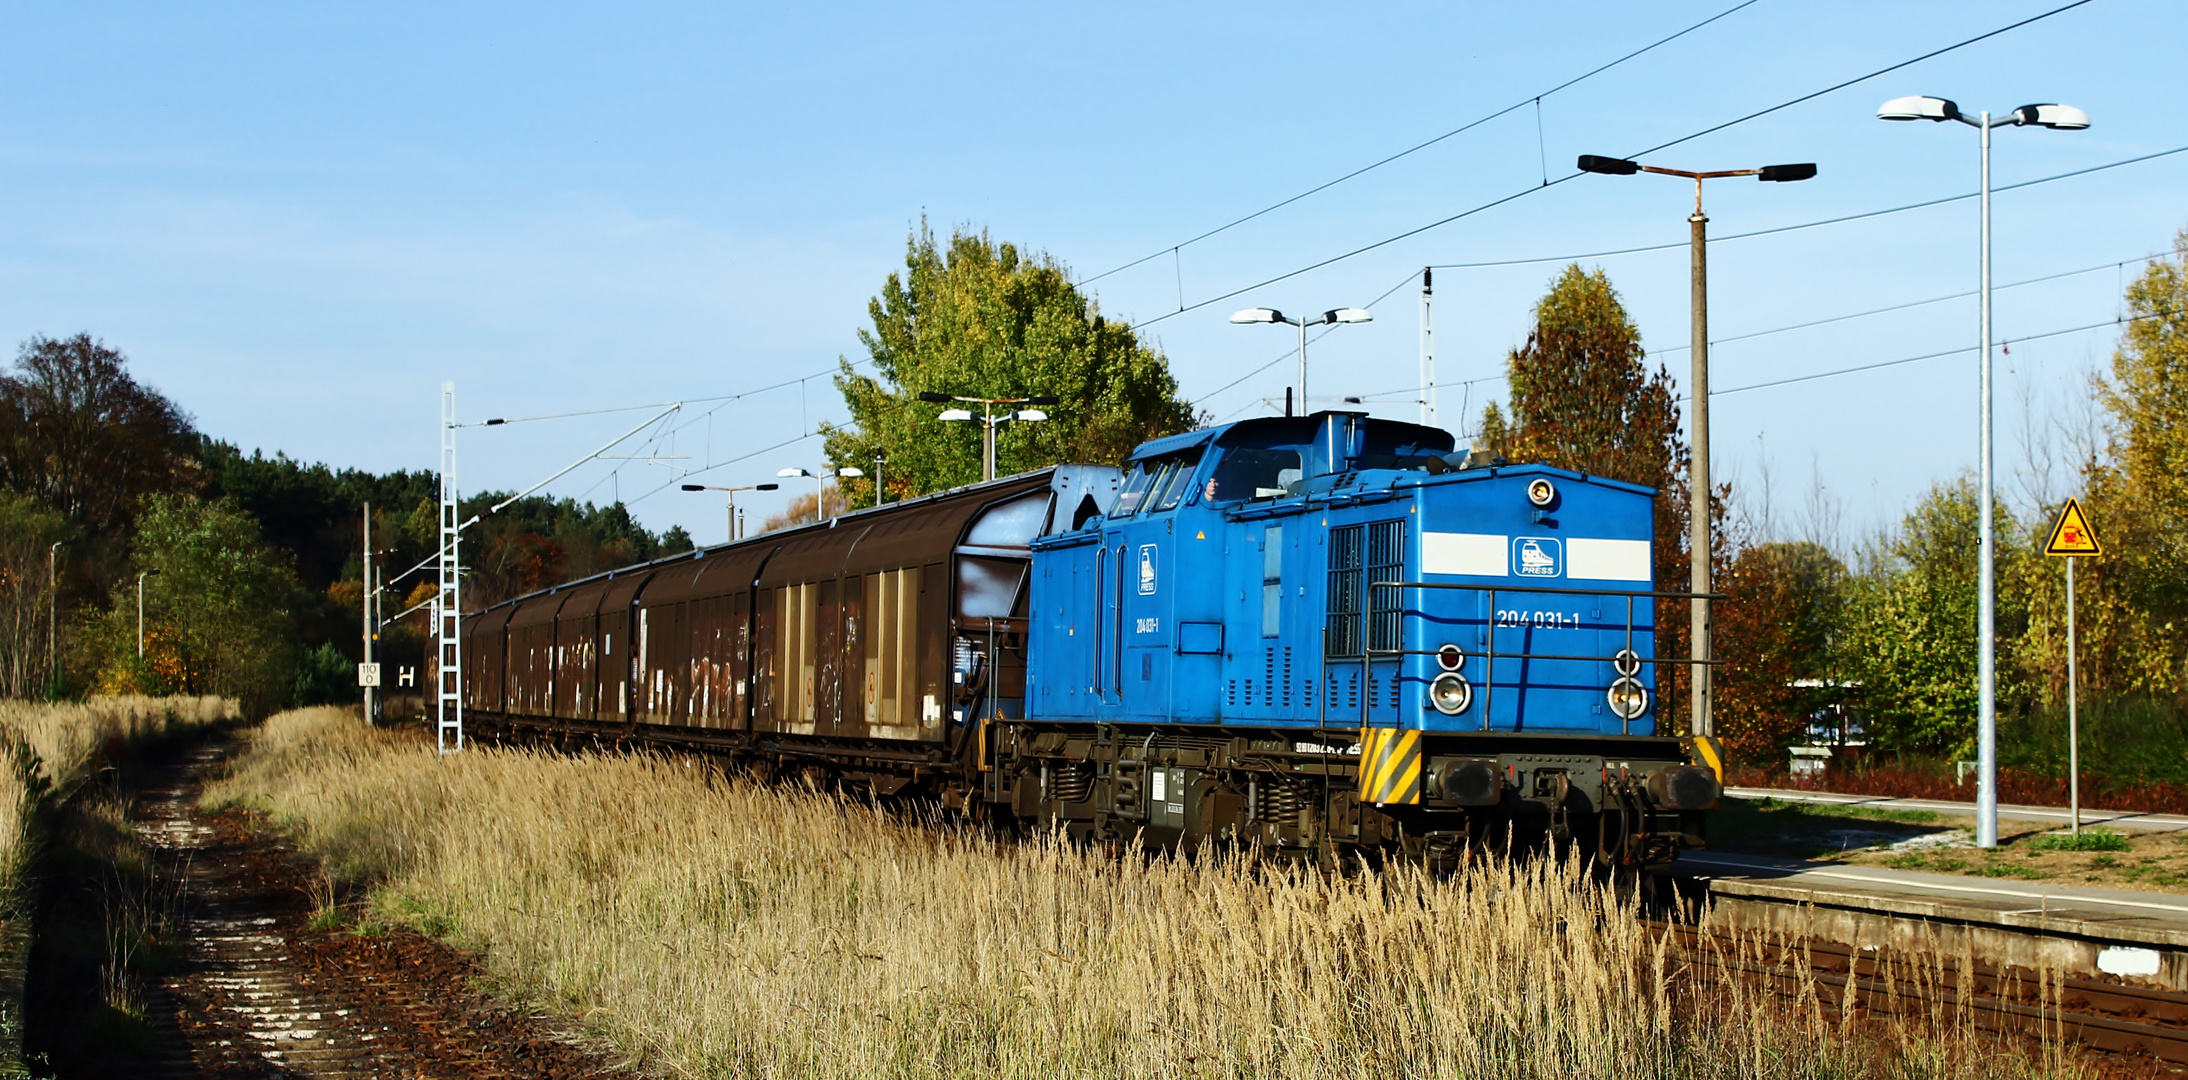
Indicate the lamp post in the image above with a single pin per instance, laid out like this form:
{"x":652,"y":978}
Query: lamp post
{"x":2058,"y":118}
{"x":988,"y":419}
{"x":1327,"y":318}
{"x":731,"y":511}
{"x":820,"y":484}
{"x":53,"y":610}
{"x":1699,"y":714}
{"x":141,"y":575}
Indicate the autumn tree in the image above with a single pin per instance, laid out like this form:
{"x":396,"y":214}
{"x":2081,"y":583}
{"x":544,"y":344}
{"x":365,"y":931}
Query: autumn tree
{"x":82,"y":436}
{"x":984,"y":319}
{"x":1582,"y":397}
{"x":2134,"y":599}
{"x":1778,"y":628}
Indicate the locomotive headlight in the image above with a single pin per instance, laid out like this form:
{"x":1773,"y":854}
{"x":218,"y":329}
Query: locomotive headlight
{"x":1451,"y":658}
{"x":1450,"y":693}
{"x":1628,"y":698}
{"x":1541,"y":492}
{"x":1627,"y":663}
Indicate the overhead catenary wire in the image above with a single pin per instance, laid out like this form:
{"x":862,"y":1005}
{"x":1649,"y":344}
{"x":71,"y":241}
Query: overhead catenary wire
{"x":1534,"y":99}
{"x":1684,"y":245}
{"x":1381,"y":396}
{"x":1524,"y":192}
{"x":2122,"y":320}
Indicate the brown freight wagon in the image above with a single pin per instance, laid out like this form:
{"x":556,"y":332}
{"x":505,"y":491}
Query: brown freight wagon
{"x":873,"y":646}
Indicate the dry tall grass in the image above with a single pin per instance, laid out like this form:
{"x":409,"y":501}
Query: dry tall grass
{"x":719,"y":928}
{"x":54,"y":746}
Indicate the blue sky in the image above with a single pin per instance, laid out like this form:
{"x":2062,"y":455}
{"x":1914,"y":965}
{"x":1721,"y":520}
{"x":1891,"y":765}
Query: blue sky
{"x":299,"y":220}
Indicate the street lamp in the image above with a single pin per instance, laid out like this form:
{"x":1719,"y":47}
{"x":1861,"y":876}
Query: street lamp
{"x":53,"y":610}
{"x":731,"y":512}
{"x":2058,"y":118}
{"x":1700,"y":720}
{"x":141,"y":575}
{"x":1327,"y":318}
{"x":820,"y":479}
{"x":989,"y":419}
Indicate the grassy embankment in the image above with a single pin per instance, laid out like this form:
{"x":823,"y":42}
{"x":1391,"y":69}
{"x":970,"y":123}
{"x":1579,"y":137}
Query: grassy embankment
{"x":718,"y":928}
{"x":52,"y":751}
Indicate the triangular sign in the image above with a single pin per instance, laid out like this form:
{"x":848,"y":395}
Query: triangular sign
{"x":2072,"y":535}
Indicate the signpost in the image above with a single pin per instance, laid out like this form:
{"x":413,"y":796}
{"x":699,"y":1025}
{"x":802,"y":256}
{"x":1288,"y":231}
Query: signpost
{"x":2071,"y":538}
{"x":368,"y":676}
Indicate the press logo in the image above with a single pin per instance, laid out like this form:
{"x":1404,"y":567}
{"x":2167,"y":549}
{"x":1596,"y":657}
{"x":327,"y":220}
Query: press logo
{"x":1147,"y":569}
{"x":1538,"y":556}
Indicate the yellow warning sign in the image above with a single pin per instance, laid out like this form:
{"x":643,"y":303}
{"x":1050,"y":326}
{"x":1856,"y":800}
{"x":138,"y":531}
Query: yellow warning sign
{"x":2072,"y":535}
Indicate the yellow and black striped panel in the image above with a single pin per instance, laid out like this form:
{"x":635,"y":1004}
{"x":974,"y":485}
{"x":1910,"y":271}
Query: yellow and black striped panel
{"x":1708,"y":752}
{"x":1390,"y":766}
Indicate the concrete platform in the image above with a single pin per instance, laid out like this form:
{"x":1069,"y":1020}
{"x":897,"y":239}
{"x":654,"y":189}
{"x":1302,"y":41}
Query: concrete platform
{"x":2141,"y":937}
{"x":2056,"y":816}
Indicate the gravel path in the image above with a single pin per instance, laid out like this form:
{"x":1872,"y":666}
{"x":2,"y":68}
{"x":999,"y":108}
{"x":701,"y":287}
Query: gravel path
{"x":259,"y":993}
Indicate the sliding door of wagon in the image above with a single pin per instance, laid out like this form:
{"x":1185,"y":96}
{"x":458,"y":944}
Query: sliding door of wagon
{"x":618,"y":646}
{"x":721,"y":638}
{"x":486,"y":659}
{"x":577,"y":651}
{"x":804,"y":585}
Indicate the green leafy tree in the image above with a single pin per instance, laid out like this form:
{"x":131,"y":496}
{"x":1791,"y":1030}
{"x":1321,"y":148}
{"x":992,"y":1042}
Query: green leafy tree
{"x":984,"y":319}
{"x":217,"y":601}
{"x":1582,"y":397}
{"x":1910,"y":638}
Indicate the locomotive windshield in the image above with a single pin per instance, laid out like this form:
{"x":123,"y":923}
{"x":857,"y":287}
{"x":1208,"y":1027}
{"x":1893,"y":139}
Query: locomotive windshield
{"x":1156,"y":484}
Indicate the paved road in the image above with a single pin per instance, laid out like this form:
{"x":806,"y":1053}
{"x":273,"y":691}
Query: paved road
{"x":2043,"y":815}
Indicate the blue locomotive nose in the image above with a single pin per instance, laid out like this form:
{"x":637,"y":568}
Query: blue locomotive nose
{"x":1337,"y":572}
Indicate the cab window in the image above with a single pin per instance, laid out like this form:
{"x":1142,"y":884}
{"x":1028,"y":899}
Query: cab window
{"x":1133,"y":493}
{"x":1178,"y":481}
{"x":1155,"y":485}
{"x":1252,"y":472}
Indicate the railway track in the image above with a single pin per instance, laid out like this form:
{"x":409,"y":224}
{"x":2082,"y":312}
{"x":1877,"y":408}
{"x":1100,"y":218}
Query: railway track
{"x":2111,"y":1017}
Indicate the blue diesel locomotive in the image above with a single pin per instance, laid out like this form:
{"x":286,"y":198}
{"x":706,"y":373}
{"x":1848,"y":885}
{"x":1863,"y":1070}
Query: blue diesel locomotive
{"x":1309,"y":633}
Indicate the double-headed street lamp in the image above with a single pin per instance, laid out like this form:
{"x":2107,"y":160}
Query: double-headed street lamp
{"x":1699,"y":714}
{"x":735,"y":534}
{"x":989,"y":418}
{"x":1327,"y":318}
{"x":820,"y":482}
{"x":2059,"y":118}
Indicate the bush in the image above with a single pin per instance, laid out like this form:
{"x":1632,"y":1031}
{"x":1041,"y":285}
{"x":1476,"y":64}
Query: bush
{"x":324,"y":676}
{"x":2089,"y":840}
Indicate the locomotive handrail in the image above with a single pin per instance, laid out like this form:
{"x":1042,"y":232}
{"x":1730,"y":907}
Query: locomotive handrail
{"x":1489,"y":652}
{"x":1657,"y":593}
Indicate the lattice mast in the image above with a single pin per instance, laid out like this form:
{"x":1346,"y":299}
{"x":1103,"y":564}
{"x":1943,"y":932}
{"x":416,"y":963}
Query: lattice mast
{"x":448,"y":603}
